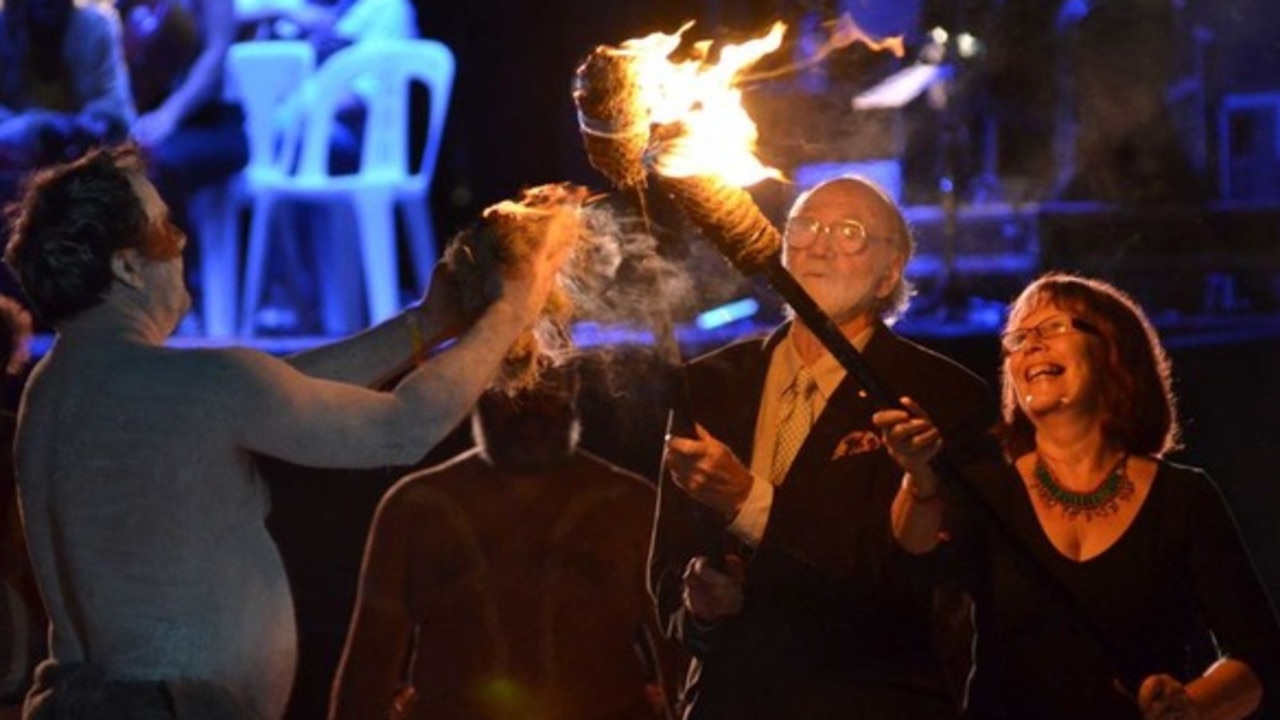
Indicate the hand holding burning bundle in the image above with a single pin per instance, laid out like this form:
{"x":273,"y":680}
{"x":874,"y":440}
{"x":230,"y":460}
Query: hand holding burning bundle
{"x":506,"y":236}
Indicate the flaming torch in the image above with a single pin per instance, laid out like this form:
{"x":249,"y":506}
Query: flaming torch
{"x":508,"y":231}
{"x":700,"y":147}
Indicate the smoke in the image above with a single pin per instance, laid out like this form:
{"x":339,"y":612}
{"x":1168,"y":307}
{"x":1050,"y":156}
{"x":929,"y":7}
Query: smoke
{"x":635,"y":269}
{"x":633,"y":273}
{"x":639,"y":271}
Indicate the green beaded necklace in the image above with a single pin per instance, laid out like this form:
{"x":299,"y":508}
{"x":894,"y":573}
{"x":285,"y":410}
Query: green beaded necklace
{"x":1101,"y":501}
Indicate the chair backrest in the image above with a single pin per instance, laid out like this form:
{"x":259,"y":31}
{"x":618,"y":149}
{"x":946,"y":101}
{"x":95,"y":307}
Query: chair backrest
{"x":264,"y":75}
{"x":380,"y":74}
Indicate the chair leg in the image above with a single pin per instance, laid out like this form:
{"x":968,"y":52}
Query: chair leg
{"x":216,"y":213}
{"x":337,"y":260}
{"x":290,"y":231}
{"x":375,"y":218}
{"x":422,"y":238}
{"x":259,"y":243}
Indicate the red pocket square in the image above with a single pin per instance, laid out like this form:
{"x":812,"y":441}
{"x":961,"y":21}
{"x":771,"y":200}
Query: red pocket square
{"x":856,"y":442}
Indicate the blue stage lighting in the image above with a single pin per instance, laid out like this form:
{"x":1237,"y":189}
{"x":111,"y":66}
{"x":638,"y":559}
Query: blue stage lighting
{"x":727,"y":313}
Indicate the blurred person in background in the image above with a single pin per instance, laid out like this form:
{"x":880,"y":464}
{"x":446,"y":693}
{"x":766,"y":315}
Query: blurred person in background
{"x":64,"y":86}
{"x":192,"y":137}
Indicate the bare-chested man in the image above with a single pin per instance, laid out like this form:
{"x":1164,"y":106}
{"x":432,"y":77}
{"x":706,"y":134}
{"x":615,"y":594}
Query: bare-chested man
{"x":143,"y":511}
{"x":514,"y":576}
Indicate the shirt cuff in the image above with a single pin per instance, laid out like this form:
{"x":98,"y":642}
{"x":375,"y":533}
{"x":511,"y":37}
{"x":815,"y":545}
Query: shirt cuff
{"x":749,"y":524}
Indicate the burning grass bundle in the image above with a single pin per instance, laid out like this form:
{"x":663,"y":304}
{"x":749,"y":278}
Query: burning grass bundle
{"x":613,"y":121}
{"x":614,"y":274}
{"x":506,"y":233}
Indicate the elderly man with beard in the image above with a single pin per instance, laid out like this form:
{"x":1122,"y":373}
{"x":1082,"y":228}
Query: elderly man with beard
{"x":772,"y":558}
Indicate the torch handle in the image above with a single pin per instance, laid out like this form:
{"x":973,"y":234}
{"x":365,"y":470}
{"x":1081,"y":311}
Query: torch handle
{"x":680,"y":422}
{"x":824,"y":328}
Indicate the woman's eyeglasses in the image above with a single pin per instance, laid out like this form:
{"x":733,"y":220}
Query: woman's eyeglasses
{"x":1014,"y":340}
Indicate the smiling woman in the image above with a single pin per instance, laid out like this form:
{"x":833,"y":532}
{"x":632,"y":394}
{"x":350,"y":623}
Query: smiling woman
{"x":1138,"y":408}
{"x":1149,"y":604}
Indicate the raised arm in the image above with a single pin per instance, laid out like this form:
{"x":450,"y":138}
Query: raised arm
{"x":372,"y":357}
{"x":286,"y":414}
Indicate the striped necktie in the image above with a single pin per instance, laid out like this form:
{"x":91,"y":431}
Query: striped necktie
{"x":794,"y":420}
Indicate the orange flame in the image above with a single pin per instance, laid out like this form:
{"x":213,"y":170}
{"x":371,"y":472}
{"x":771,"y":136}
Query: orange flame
{"x":695,"y":106}
{"x":704,"y":129}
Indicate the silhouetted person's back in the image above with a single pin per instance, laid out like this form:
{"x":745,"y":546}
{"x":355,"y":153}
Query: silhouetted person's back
{"x":510,"y":581}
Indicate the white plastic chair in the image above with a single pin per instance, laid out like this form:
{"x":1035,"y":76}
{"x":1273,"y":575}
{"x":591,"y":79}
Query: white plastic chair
{"x":213,"y":214}
{"x":259,"y":75}
{"x":380,"y":74}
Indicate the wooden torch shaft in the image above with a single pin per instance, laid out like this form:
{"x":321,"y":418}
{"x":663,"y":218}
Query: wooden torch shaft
{"x":730,"y":219}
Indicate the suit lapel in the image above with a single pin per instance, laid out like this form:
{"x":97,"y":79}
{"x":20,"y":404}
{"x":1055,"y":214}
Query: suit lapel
{"x":727,"y":392}
{"x":844,"y":427}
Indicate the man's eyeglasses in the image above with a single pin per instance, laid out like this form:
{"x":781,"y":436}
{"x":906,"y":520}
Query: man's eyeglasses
{"x":1015,"y":340}
{"x":847,"y":236}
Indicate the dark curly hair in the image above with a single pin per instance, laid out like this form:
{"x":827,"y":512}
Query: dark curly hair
{"x":1137,"y":397}
{"x":67,"y":225}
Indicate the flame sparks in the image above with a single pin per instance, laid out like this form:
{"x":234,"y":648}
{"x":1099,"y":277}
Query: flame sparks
{"x":847,"y":31}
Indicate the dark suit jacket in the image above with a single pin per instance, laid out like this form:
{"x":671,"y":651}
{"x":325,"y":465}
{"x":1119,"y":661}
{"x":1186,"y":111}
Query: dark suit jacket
{"x":837,"y":619}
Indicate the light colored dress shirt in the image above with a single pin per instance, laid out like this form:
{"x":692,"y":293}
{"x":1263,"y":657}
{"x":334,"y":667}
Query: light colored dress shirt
{"x":750,"y":522}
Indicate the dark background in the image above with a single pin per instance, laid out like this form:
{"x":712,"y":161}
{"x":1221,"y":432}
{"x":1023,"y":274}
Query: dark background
{"x":512,"y":122}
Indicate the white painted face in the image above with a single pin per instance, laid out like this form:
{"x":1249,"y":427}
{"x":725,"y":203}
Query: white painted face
{"x":1057,"y":363}
{"x":846,"y":286}
{"x":160,"y":258}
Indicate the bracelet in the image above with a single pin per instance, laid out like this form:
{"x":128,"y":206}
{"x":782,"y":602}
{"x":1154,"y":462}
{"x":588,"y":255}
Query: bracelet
{"x":417,"y":343}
